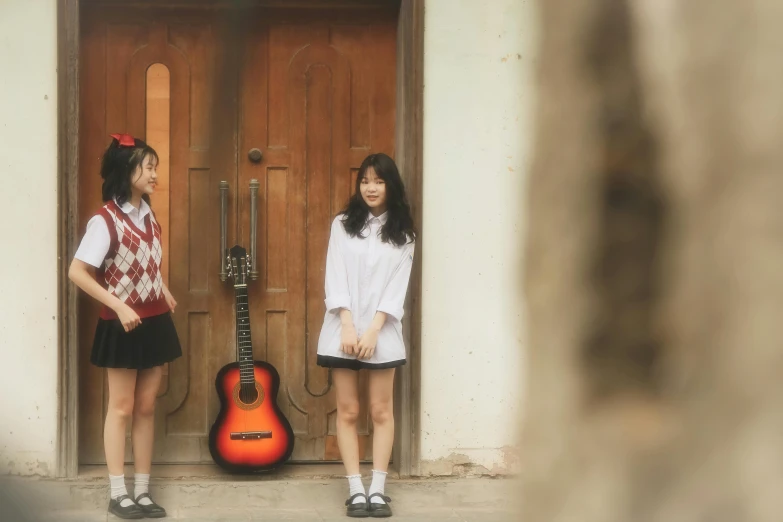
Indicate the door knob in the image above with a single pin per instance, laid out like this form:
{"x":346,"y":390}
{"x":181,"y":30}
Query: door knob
{"x":255,"y":155}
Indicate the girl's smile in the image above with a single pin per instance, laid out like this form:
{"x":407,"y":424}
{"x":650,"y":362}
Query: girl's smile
{"x":373,"y":191}
{"x":145,"y":179}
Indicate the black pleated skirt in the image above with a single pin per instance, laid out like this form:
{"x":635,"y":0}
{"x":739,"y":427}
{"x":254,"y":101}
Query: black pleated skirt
{"x":152,"y":343}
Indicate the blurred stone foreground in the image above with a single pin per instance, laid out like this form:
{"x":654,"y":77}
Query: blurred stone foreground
{"x":654,"y":275}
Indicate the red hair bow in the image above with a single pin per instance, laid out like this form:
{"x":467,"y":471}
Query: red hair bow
{"x":126,"y":140}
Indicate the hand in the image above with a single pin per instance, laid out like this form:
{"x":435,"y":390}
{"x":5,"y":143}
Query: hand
{"x":367,"y":343}
{"x":348,"y":339}
{"x":169,"y":299}
{"x":128,"y":317}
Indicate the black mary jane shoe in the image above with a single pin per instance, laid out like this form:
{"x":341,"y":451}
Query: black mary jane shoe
{"x":131,"y":512}
{"x":150,"y":510}
{"x":359,"y":510}
{"x":378,"y":510}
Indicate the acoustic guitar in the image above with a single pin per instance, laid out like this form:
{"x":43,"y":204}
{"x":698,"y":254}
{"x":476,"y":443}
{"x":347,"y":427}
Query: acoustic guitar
{"x":250,"y":433}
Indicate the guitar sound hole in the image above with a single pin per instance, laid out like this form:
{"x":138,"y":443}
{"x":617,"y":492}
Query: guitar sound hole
{"x":248,"y":394}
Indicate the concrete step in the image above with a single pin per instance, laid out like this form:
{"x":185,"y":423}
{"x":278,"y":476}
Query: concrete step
{"x":248,"y":499}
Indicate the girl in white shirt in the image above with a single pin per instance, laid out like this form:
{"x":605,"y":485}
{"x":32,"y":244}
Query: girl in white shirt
{"x":368,"y":267}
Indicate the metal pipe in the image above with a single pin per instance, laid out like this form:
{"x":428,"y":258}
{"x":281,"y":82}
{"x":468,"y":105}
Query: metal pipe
{"x":254,"y":185}
{"x":223,"y":230}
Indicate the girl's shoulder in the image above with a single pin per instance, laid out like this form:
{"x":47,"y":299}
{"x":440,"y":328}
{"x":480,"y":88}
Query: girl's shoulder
{"x":410,"y":241}
{"x":97,"y":220}
{"x":108,"y":208}
{"x":337,"y":223}
{"x":406,"y":248}
{"x":101,"y":221}
{"x":105,"y":211}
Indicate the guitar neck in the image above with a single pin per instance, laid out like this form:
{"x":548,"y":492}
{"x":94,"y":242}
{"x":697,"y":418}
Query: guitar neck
{"x":244,"y":342}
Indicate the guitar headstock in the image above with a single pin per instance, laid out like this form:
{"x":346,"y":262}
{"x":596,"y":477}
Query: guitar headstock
{"x":239,"y":265}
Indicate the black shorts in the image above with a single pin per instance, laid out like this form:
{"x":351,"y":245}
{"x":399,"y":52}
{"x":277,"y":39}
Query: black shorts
{"x":327,"y":361}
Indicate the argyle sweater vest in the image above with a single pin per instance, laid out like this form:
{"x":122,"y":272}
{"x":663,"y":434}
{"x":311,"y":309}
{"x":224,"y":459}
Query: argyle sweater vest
{"x":131,"y":270}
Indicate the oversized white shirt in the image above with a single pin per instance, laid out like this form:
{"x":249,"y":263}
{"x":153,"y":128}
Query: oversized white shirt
{"x":365,"y":276}
{"x":97,"y":241}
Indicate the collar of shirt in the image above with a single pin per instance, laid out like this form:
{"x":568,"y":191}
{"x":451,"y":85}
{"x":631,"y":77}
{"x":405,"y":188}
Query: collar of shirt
{"x":380,"y":219}
{"x":137,"y":214}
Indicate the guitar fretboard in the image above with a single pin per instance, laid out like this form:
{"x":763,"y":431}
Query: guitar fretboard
{"x":244,"y":342}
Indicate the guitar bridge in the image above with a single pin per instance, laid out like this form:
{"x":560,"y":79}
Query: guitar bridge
{"x":250,"y":435}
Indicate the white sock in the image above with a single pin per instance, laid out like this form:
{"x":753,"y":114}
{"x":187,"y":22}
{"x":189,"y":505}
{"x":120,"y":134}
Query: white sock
{"x":355,"y":486}
{"x":141,"y":484}
{"x":118,"y":489}
{"x":377,"y":486}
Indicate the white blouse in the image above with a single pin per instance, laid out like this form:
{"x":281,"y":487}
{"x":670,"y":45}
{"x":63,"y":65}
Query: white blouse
{"x":96,"y":241}
{"x":365,"y":276}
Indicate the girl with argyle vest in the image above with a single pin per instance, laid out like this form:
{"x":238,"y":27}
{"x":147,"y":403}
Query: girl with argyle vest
{"x":118,"y":264}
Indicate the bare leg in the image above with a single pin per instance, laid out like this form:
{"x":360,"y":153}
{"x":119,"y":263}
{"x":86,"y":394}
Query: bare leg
{"x":382,"y":412}
{"x":346,"y":383}
{"x":143,"y":435}
{"x":122,"y":384}
{"x":147,"y":385}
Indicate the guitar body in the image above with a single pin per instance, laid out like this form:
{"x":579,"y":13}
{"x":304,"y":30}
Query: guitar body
{"x":252,"y":434}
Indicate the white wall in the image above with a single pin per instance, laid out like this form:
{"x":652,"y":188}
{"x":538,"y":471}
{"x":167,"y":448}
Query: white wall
{"x":28,"y":236}
{"x":478,"y":102}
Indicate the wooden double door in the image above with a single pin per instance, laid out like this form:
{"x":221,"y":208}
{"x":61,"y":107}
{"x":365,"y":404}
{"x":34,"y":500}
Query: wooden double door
{"x":314,"y":92}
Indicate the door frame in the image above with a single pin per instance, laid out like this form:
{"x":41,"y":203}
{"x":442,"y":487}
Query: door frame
{"x":408,"y":155}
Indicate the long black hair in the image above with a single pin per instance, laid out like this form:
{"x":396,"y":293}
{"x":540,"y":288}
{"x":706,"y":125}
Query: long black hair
{"x":118,"y":166}
{"x":398,"y":228}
